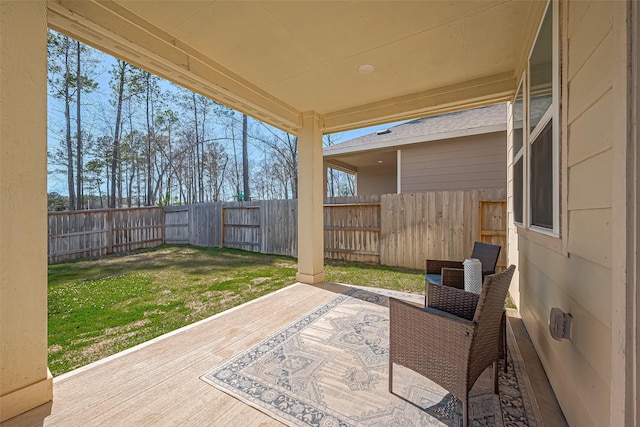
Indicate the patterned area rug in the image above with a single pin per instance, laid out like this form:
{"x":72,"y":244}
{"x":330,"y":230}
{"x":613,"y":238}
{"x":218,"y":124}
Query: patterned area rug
{"x":330,"y":368}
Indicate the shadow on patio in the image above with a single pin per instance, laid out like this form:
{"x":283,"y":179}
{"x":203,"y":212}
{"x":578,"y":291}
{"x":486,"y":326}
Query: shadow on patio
{"x":158,"y":382}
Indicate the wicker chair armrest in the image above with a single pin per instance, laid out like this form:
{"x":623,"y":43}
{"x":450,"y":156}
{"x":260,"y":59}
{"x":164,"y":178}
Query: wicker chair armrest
{"x":435,"y":266}
{"x":452,"y":300}
{"x":413,"y":310}
{"x":453,"y":277}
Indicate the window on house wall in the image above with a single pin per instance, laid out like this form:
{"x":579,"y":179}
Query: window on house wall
{"x":535,"y":143}
{"x":541,"y":183}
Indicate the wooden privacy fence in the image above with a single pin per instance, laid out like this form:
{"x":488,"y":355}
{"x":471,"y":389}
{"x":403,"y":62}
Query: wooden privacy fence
{"x":267,"y":226}
{"x":95,"y":233}
{"x":352,"y":226}
{"x":435,"y":225}
{"x":352,"y":230}
{"x":492,"y":226}
{"x":394,"y":229}
{"x":176,"y":225}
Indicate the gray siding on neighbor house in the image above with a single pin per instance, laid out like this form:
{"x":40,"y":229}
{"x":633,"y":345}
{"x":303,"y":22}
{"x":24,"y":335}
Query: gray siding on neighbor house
{"x":471,"y":162}
{"x":377,"y":180}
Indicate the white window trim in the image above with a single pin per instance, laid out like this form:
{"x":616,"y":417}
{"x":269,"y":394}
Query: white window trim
{"x":522,"y":153}
{"x":399,"y":171}
{"x":553,"y":113}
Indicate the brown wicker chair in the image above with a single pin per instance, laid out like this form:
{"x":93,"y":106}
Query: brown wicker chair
{"x":463,"y":304}
{"x":451,"y":273}
{"x":453,"y":340}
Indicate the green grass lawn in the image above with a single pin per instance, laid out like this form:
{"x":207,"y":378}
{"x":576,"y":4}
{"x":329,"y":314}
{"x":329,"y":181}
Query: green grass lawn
{"x":100,"y":307}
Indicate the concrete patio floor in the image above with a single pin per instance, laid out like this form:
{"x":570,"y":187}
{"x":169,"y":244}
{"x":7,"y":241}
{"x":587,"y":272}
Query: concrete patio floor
{"x":158,"y":382}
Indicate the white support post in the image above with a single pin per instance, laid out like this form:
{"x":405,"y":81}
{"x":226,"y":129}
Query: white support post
{"x":25,"y":382}
{"x":399,"y":170}
{"x":310,"y":201}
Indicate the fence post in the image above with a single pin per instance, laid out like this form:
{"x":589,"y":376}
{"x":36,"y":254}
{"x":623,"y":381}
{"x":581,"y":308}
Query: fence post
{"x":163,"y":229}
{"x":110,"y":231}
{"x":263,"y":225}
{"x":222,"y":227}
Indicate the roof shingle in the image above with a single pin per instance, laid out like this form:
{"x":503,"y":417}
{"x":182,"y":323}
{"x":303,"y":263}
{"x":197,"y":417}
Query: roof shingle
{"x":429,"y":128}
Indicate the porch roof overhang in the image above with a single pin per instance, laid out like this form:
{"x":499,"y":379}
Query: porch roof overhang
{"x":277,"y":60}
{"x":379,"y":149}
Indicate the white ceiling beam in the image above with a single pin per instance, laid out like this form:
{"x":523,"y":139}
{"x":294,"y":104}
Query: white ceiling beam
{"x":341,"y":166}
{"x":469,"y":94}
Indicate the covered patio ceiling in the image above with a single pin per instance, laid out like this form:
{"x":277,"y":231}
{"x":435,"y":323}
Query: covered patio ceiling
{"x":275,"y":60}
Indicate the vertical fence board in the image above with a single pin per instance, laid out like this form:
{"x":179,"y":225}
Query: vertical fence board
{"x":176,"y":230}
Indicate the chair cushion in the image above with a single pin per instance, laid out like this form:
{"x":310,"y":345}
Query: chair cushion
{"x":436,"y":279}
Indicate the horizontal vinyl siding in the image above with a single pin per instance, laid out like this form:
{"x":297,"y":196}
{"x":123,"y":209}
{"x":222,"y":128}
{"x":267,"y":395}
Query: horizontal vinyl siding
{"x":595,"y":126}
{"x":590,"y":236}
{"x":579,"y":282}
{"x":590,"y":182}
{"x":579,"y":370}
{"x":377,"y":180}
{"x":592,"y":80}
{"x":471,"y":162}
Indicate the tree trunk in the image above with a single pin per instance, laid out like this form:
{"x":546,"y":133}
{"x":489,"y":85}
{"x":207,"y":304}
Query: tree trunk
{"x":67,"y":117}
{"x":116,"y":172}
{"x":245,"y":158}
{"x":332,"y":192}
{"x":235,"y":161}
{"x":79,"y":162}
{"x":149,"y":200}
{"x":130,"y":185}
{"x":100,"y":195}
{"x":108,"y":182}
{"x":170,"y":165}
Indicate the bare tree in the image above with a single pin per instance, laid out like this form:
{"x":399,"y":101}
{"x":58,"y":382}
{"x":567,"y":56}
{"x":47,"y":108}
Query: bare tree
{"x":84,"y":84}
{"x":245,"y":159}
{"x":79,"y":164}
{"x":150,"y":89}
{"x":194,"y":151}
{"x":68,"y":81}
{"x":284,"y":146}
{"x":339,"y":183}
{"x":167,"y":120}
{"x":116,"y":177}
{"x":60,"y":80}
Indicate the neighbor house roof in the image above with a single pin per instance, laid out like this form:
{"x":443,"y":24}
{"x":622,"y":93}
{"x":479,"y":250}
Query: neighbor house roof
{"x":492,"y":118}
